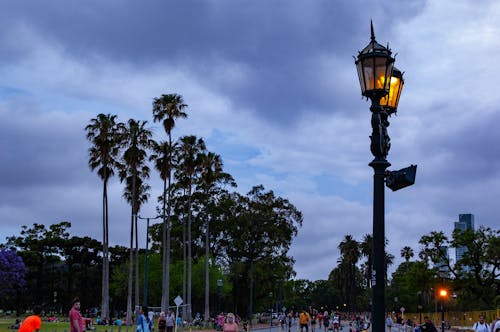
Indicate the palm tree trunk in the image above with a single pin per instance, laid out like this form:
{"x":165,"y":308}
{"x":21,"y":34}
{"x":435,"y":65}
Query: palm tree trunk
{"x":207,"y":273}
{"x":130,"y":270}
{"x":169,"y":227}
{"x":165,"y":243}
{"x":137,"y":300}
{"x":134,"y":225}
{"x":184,"y":268}
{"x":189,"y":254}
{"x":105,"y":258}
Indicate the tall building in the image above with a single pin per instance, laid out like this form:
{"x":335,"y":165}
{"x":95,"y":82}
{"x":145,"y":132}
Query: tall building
{"x":465,"y":222}
{"x":441,"y":265}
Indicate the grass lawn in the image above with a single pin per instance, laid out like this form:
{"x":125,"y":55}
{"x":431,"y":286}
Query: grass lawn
{"x":5,"y":323}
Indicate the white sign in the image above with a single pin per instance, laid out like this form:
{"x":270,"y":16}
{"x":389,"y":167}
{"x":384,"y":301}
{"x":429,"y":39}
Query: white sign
{"x":402,"y":309}
{"x":178,"y":300}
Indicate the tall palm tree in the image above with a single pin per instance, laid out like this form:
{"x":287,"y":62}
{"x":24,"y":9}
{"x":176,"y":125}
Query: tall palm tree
{"x":190,"y":149}
{"x":349,"y":250}
{"x":102,"y":132}
{"x":388,"y":261}
{"x":366,"y":247}
{"x":167,"y":109}
{"x":211,"y":178}
{"x":136,"y":140}
{"x":407,"y":253}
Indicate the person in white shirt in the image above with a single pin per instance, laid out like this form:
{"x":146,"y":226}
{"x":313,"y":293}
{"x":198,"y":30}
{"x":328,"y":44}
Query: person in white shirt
{"x":481,"y":326}
{"x":495,"y":326}
{"x":151,"y":316}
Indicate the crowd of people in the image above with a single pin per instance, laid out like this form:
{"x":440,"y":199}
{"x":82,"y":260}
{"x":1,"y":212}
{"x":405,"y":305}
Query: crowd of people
{"x":317,"y":321}
{"x":427,"y":326}
{"x":304,"y":321}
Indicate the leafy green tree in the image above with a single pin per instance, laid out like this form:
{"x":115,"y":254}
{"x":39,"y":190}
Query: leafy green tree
{"x":255,"y":239}
{"x":190,"y":150}
{"x":37,"y":247}
{"x":411,"y":282}
{"x":136,"y":141}
{"x":102,"y":132}
{"x":82,"y":262}
{"x":476,"y":275}
{"x":166,"y":109}
{"x":211,"y":184}
{"x":57,"y":264}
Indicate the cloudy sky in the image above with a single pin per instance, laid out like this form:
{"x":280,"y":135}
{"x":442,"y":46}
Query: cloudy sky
{"x":272,"y":87}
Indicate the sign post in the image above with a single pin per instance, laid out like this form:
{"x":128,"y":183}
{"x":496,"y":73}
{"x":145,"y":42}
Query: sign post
{"x":178,"y":301}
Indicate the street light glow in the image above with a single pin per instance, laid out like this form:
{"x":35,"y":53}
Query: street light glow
{"x":443,"y":293}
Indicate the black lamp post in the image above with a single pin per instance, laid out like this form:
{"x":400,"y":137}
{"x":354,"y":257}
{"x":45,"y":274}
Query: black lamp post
{"x":219,"y":288}
{"x":419,"y":306}
{"x":443,"y":295}
{"x":146,"y":263}
{"x":271,"y":309}
{"x":375,"y":67}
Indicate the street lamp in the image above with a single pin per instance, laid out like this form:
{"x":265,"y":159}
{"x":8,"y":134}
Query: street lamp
{"x":419,"y":306}
{"x":381,"y":84}
{"x":443,"y":295}
{"x":271,"y":309}
{"x":219,"y":287}
{"x":146,"y":261}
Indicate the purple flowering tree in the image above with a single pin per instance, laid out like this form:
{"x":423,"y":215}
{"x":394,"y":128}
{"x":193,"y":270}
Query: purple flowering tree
{"x":12,"y":272}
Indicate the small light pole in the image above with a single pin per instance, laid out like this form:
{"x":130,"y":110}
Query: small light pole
{"x":419,"y":306}
{"x":219,"y":289}
{"x":271,"y":310}
{"x":146,"y":262}
{"x":443,"y":295}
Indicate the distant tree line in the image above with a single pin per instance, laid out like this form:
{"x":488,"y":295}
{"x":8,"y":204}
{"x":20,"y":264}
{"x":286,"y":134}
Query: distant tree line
{"x":47,"y":266}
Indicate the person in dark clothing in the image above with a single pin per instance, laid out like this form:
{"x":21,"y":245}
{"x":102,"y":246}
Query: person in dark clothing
{"x":427,"y":326}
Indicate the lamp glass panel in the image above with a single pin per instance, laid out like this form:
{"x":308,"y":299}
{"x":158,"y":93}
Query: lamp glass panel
{"x":383,"y":69}
{"x":359,"y":67}
{"x":392,"y":98}
{"x":368,"y":73}
{"x":375,"y":70}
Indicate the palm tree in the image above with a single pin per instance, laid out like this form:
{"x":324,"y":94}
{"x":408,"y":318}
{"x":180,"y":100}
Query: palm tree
{"x":190,"y":149}
{"x":407,"y":253}
{"x":388,"y":261}
{"x":136,"y":140}
{"x":366,"y":247}
{"x":349,"y":250}
{"x":102,"y":132}
{"x":167,"y":109}
{"x":211,"y":178}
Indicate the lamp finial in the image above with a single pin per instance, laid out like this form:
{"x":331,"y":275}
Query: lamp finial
{"x":373,"y":34}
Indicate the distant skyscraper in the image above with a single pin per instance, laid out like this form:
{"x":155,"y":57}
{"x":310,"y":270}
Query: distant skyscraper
{"x":465,"y":222}
{"x":442,"y":266}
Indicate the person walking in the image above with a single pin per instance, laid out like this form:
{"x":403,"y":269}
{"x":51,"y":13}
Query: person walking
{"x":76,"y":322}
{"x":481,"y":325}
{"x":230,"y":325}
{"x":32,"y":323}
{"x":142,"y":322}
{"x":170,"y":320}
{"x":162,"y":322}
{"x":389,"y":322}
{"x":495,"y":324}
{"x":326,"y":320}
{"x":427,"y":326}
{"x":151,"y":320}
{"x":304,"y":319}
